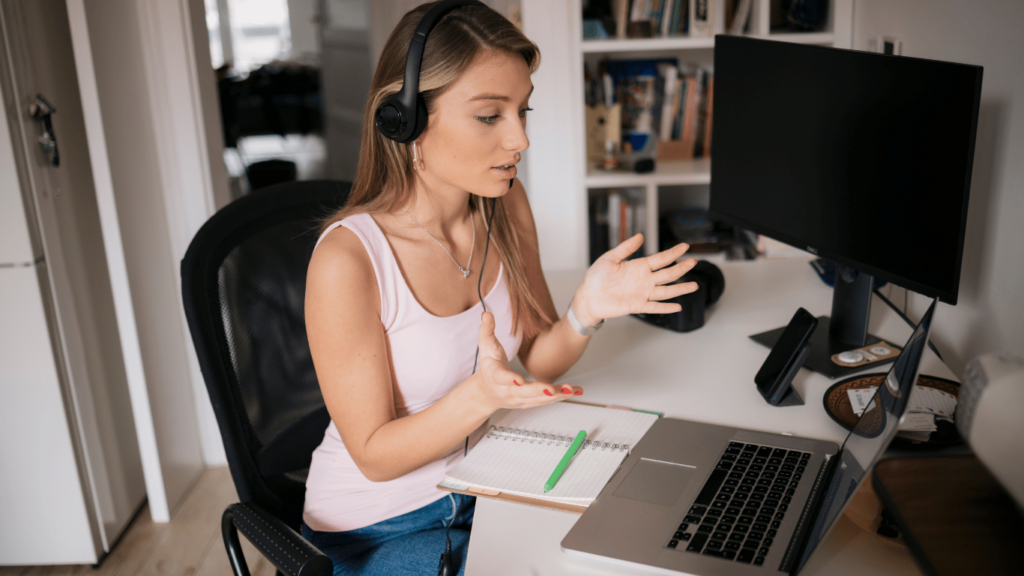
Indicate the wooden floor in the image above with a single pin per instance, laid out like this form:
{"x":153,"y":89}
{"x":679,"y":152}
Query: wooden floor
{"x":189,"y":545}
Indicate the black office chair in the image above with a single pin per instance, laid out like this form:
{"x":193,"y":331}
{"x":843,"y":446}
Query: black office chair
{"x":243,"y":285}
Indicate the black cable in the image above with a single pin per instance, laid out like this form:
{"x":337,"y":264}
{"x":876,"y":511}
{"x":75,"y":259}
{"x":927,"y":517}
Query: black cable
{"x":906,"y":319}
{"x":480,"y":277}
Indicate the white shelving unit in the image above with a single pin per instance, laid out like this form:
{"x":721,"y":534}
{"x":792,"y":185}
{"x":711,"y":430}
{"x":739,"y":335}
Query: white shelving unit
{"x":562,"y":119}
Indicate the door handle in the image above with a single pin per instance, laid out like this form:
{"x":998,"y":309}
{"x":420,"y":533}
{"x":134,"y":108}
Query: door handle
{"x":43,"y":111}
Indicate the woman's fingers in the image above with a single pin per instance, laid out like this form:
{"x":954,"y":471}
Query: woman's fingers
{"x":673,"y":290}
{"x":624,"y":250}
{"x":662,"y":259}
{"x":543,"y":393}
{"x":486,"y":325}
{"x":660,"y":308}
{"x":666,"y":275}
{"x":488,"y":341}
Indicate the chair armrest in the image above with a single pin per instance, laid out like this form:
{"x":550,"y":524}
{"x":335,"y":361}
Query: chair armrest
{"x":292,"y":554}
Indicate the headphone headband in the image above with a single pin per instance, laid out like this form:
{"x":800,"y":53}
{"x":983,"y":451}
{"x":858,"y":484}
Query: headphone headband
{"x":403,"y":115}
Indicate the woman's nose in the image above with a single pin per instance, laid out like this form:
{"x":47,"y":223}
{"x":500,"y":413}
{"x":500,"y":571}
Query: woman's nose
{"x":515,"y":138}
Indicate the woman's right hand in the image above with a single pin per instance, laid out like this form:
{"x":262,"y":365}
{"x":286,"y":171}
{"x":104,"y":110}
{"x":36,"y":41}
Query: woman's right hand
{"x":500,"y":387}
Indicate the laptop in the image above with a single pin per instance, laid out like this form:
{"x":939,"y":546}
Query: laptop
{"x":709,"y":500}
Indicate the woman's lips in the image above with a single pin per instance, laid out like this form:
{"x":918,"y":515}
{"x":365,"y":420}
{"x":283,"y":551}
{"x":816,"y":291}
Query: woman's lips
{"x":509,"y":172}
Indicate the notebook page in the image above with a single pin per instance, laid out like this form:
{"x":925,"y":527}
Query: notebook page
{"x":522,"y":466}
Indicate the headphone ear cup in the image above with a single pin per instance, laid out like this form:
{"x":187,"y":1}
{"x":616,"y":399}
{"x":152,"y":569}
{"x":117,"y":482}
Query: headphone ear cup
{"x":396,"y":122}
{"x":712,"y":280}
{"x":391,"y":118}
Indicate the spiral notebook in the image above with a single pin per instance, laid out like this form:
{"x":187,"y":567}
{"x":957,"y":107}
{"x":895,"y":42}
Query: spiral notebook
{"x":518,"y":454}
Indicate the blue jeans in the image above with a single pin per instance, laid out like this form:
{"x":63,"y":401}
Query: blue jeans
{"x":408,"y":544}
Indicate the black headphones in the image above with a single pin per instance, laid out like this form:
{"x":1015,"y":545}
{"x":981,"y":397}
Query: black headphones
{"x":710,"y":285}
{"x":402,"y":116}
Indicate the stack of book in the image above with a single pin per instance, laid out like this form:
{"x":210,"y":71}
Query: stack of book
{"x":615,"y":217}
{"x":655,"y":106}
{"x":661,"y":18}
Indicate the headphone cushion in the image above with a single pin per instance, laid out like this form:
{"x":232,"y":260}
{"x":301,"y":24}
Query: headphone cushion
{"x":709,"y":277}
{"x":421,"y":118}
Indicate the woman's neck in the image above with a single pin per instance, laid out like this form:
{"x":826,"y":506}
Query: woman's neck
{"x":439,"y":208}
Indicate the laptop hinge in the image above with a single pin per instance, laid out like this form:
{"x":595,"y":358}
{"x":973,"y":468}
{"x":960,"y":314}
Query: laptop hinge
{"x":798,"y":543}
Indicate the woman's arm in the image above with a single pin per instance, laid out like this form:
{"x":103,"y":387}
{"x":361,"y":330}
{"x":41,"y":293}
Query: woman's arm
{"x":352,"y":364}
{"x":612,"y":287}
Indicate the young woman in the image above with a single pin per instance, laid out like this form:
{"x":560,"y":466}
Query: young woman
{"x":392,"y":308}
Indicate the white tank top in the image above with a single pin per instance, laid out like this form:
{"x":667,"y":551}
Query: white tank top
{"x":431,"y":355}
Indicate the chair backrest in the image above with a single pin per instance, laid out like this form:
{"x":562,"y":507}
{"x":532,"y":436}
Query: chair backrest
{"x":243,"y":285}
{"x":269,"y":172}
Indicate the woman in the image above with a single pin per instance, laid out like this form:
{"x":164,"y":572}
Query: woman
{"x":394,"y":318}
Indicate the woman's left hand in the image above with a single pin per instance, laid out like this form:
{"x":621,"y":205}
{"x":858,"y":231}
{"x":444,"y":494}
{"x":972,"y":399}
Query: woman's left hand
{"x":615,"y":286}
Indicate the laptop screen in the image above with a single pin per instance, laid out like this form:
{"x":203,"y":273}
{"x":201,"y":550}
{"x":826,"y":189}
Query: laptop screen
{"x":871,"y":434}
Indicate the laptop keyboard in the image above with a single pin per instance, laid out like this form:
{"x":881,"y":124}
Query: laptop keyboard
{"x":738,"y":512}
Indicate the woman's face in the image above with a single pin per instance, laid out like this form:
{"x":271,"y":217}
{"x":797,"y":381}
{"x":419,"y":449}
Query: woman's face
{"x":477,"y":131}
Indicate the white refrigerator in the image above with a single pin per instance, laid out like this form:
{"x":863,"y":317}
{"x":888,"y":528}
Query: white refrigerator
{"x":71,"y":476}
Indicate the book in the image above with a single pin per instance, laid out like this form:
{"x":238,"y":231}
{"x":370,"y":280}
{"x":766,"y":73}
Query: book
{"x":702,"y":21}
{"x":689,"y":125}
{"x":620,"y":10}
{"x":709,"y":116}
{"x":667,"y":16}
{"x":615,"y":223}
{"x":669,"y":76}
{"x":518,"y":454}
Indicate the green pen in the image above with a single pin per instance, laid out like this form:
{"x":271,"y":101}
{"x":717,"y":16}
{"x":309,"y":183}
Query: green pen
{"x":560,"y":469}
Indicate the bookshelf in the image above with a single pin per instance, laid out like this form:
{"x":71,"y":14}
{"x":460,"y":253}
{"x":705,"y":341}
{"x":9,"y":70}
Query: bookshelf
{"x":564,"y":185}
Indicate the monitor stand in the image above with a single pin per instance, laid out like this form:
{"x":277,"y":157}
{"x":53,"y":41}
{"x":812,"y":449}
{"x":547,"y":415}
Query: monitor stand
{"x":846,"y":329}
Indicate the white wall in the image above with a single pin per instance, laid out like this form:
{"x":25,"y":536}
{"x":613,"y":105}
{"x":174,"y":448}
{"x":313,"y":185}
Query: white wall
{"x":990,"y":313}
{"x":302,"y":20}
{"x":134,"y":145}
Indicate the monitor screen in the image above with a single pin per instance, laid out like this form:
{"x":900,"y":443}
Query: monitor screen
{"x":860,"y":158}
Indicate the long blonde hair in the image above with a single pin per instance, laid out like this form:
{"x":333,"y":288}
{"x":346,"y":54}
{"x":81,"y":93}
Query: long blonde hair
{"x":384,"y":176}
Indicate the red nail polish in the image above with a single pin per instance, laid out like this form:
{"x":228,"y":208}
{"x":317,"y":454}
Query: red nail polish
{"x":566,"y":390}
{"x":579,"y":392}
{"x":548,"y":392}
{"x":516,"y":382}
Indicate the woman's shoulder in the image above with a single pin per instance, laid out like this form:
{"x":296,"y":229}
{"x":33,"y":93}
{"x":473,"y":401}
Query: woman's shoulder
{"x":341,"y":265}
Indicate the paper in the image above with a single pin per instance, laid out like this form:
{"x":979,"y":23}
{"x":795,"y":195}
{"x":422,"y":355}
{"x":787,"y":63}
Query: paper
{"x":521,"y":466}
{"x":926,"y":404}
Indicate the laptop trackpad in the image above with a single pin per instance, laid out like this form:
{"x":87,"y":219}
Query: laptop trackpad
{"x":655,"y":482}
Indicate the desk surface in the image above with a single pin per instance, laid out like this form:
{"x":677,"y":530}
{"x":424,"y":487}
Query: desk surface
{"x":705,"y":376}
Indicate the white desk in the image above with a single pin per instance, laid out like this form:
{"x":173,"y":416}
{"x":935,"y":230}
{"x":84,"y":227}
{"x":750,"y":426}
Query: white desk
{"x":706,"y":375}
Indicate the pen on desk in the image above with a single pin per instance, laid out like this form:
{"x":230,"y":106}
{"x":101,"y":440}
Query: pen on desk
{"x":560,"y":469}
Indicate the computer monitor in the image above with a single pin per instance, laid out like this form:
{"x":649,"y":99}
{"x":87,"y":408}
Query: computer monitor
{"x":860,"y":158}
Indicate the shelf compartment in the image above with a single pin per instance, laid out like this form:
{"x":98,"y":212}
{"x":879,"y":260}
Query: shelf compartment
{"x":696,"y":171}
{"x":625,"y":45}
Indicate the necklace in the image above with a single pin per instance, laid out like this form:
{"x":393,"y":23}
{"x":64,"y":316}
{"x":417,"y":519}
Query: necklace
{"x":465,"y":271}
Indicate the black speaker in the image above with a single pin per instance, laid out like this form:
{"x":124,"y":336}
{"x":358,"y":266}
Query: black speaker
{"x":710,"y":285}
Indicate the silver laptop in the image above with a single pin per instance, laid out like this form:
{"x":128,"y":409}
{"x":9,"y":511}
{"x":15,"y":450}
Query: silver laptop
{"x":708,"y":500}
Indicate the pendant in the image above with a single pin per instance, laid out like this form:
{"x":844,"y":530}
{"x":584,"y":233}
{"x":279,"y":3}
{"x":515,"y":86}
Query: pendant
{"x":465,"y":273}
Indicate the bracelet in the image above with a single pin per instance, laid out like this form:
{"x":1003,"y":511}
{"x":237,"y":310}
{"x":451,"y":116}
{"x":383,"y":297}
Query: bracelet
{"x":578,"y":326}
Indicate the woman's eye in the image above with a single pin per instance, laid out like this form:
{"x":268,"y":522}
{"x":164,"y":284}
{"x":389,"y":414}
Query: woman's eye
{"x":522,"y":113}
{"x":488,"y":119}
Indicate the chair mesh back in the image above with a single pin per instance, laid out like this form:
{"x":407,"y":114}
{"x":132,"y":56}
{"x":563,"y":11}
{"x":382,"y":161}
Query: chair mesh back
{"x":262,"y":283}
{"x":244,"y":282}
